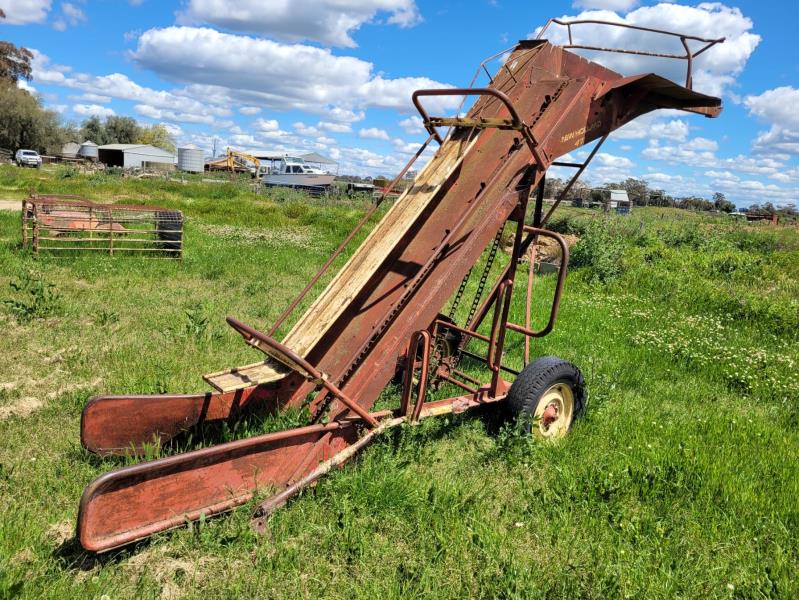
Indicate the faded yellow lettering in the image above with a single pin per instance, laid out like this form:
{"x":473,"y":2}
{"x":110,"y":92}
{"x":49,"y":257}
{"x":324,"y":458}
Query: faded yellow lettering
{"x":580,"y":133}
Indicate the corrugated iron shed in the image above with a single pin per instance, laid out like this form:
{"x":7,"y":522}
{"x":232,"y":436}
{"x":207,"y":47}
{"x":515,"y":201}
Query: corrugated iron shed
{"x":132,"y":156}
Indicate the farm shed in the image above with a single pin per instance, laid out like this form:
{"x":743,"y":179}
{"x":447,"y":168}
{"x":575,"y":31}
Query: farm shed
{"x":620,"y":202}
{"x":134,"y":156}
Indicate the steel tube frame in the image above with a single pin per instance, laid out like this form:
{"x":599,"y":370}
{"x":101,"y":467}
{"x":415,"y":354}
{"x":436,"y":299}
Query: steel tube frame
{"x":516,"y":121}
{"x":689,"y":55}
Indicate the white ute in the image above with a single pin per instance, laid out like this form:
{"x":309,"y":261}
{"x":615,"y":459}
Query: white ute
{"x":28,"y":158}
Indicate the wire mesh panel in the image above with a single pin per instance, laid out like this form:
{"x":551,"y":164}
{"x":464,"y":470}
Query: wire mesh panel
{"x":66,"y":224}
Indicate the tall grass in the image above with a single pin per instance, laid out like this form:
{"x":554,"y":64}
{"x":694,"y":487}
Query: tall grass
{"x":681,"y":479}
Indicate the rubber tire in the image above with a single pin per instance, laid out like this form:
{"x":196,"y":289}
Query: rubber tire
{"x":170,"y":226}
{"x":535,"y":379}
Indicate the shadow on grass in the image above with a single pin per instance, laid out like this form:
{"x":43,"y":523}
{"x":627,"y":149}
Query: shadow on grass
{"x":71,"y":556}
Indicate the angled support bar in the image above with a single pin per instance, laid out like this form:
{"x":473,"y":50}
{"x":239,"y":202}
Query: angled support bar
{"x":292,"y":360}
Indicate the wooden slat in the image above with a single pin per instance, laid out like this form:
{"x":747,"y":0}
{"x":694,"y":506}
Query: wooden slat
{"x":363,"y":264}
{"x":243,"y":377}
{"x":358,"y":270}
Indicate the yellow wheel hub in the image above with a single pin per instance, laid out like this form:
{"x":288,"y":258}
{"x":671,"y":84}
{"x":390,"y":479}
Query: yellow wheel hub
{"x":553,"y":415}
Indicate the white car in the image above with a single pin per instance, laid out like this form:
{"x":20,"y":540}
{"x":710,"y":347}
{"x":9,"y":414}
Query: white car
{"x":28,"y":158}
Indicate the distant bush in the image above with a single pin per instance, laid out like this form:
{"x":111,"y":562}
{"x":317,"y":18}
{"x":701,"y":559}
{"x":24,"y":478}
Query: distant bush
{"x":568,"y":224}
{"x":599,"y":252}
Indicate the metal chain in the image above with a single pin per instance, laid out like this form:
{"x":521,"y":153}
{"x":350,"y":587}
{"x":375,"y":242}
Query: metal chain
{"x":492,"y":254}
{"x":456,"y":302}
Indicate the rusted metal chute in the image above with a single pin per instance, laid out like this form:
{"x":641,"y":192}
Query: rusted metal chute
{"x":382,"y":312}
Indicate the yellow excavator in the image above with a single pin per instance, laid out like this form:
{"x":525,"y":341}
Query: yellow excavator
{"x":236,"y":162}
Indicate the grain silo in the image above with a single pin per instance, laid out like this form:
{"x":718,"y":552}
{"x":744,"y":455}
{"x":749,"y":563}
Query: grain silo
{"x":70,"y":150}
{"x":88,"y":150}
{"x":191,"y":159}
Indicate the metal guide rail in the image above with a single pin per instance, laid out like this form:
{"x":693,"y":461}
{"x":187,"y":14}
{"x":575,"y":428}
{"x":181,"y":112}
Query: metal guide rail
{"x":62,"y":225}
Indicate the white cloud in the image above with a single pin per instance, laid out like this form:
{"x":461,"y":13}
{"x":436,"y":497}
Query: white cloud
{"x":265,"y":125}
{"x":779,"y":140}
{"x":334,"y":127}
{"x":330,"y":22}
{"x":373,"y":133}
{"x":687,"y":154}
{"x":156,"y":104}
{"x":701,"y":153}
{"x":786,"y":175}
{"x":777,"y":107}
{"x":753,"y":191}
{"x":249,"y":110}
{"x":413,"y":125}
{"x":609,"y":160}
{"x":157,"y":113}
{"x":72,"y":13}
{"x":95,"y":98}
{"x":702,"y":145}
{"x":344,"y":115}
{"x":221,"y":64}
{"x":664,"y":178}
{"x":306,"y":130}
{"x":92,"y":110}
{"x":714,"y":71}
{"x":23,"y":12}
{"x":652,"y":126}
{"x":410,"y":148}
{"x":174,"y":130}
{"x":605,"y":168}
{"x":360,"y":161}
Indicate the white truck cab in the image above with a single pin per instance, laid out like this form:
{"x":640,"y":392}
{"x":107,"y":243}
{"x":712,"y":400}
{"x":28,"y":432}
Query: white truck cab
{"x":28,"y":158}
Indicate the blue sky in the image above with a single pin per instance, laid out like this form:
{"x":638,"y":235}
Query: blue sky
{"x":335,"y":76}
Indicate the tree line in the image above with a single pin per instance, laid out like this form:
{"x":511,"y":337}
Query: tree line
{"x":26,"y":123}
{"x":641,"y":194}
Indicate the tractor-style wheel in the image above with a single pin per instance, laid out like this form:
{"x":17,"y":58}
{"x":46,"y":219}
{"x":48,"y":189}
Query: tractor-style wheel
{"x":547,"y":396}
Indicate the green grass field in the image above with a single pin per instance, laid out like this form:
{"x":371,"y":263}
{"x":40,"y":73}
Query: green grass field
{"x":680,"y":480}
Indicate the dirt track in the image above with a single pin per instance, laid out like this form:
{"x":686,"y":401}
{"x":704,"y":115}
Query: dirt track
{"x":10,"y":205}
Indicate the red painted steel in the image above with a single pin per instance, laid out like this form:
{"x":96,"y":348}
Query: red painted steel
{"x":541,"y":104}
{"x":126,"y":424}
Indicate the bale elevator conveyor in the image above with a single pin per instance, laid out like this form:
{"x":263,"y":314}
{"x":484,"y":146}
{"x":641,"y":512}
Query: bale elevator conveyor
{"x":380,"y":314}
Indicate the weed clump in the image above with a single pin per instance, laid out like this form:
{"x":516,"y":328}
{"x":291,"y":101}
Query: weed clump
{"x":198,"y":325}
{"x":34,"y":298}
{"x":599,"y":252}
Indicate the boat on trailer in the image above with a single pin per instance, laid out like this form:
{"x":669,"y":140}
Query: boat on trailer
{"x":293,"y":172}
